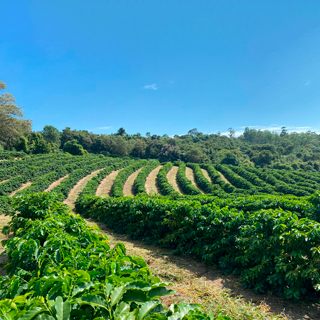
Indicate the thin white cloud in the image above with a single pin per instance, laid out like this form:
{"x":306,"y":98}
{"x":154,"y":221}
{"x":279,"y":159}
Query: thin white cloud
{"x":104,"y":128}
{"x":151,"y":86}
{"x":101,"y":128}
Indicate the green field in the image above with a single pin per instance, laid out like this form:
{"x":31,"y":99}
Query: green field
{"x":259,"y":224}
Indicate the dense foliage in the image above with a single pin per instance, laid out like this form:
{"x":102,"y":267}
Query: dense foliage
{"x":59,"y":268}
{"x":184,"y":183}
{"x":271,"y":247}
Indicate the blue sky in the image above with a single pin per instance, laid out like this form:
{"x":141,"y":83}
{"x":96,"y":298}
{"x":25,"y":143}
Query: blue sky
{"x":163,"y":66}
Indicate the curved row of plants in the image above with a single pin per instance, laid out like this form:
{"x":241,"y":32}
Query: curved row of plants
{"x":37,"y":171}
{"x":216,"y":178}
{"x":279,"y":186}
{"x":235,"y":179}
{"x":30,"y":174}
{"x":93,"y":184}
{"x":270,"y":249}
{"x":184,"y":183}
{"x":43,"y":182}
{"x":287,"y":178}
{"x":140,"y":181}
{"x":59,"y":268}
{"x":120,"y":180}
{"x":165,"y":187}
{"x":75,"y":176}
{"x":21,"y":167}
{"x":204,"y":184}
{"x":7,"y":155}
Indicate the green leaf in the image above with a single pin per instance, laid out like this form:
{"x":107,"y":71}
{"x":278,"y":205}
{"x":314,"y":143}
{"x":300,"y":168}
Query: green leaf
{"x":136,"y":296}
{"x":145,"y":308}
{"x":183,"y":310}
{"x":139,"y":285}
{"x":30,"y":314}
{"x":122,"y":308}
{"x":159,"y":292}
{"x":81,"y":288}
{"x":117,"y":294}
{"x":63,"y":309}
{"x":94,"y":301}
{"x":107,"y":289}
{"x":44,"y":316}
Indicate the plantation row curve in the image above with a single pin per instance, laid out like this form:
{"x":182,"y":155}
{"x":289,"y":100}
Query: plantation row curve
{"x":52,"y":173}
{"x":258,"y":223}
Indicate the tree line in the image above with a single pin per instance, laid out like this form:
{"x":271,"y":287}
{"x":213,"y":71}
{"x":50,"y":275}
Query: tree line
{"x":252,"y":148}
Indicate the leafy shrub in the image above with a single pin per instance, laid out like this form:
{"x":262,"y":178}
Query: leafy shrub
{"x":184,"y":183}
{"x":59,"y":268}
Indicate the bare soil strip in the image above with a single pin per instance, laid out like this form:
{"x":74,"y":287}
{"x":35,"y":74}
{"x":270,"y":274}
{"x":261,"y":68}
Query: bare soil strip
{"x":128,"y":186}
{"x":190,"y":176}
{"x":72,"y":197}
{"x":224,"y":178}
{"x":206,"y":175}
{"x":4,"y":181}
{"x":151,"y":182}
{"x":54,"y":184}
{"x":195,"y":282}
{"x":4,"y":258}
{"x":25,"y":185}
{"x":104,"y":189}
{"x":171,"y":176}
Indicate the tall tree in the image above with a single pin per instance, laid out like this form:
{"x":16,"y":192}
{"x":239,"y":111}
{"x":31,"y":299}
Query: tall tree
{"x":121,"y":132}
{"x":51,"y":134}
{"x":12,"y":124}
{"x":232,"y":132}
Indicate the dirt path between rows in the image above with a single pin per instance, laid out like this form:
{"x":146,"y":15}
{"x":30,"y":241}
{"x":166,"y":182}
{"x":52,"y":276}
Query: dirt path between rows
{"x":171,"y":176}
{"x":224,"y":178}
{"x":206,"y":175}
{"x":104,"y":189}
{"x":195,"y":282}
{"x":3,"y":259}
{"x":73,"y":195}
{"x":3,"y":181}
{"x":128,"y":186}
{"x":151,"y":182}
{"x":54,"y":184}
{"x":25,"y":185}
{"x":190,"y":176}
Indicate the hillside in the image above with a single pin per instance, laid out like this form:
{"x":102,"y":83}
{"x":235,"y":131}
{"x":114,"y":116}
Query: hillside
{"x":244,"y":220}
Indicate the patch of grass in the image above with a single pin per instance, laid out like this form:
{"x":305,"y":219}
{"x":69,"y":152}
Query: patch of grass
{"x":195,"y":282}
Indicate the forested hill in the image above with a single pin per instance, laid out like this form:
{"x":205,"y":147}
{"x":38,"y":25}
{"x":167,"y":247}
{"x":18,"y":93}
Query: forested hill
{"x":253,"y":148}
